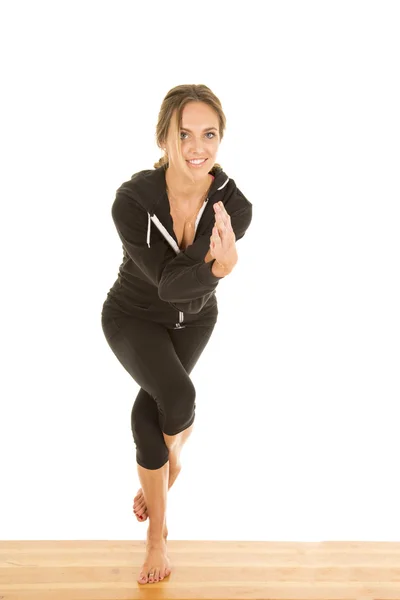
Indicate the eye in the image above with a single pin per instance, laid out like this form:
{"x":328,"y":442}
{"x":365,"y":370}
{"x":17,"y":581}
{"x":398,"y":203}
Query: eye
{"x":208,"y":133}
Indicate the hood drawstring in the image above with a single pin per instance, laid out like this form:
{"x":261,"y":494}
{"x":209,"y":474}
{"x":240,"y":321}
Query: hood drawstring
{"x":148,"y":230}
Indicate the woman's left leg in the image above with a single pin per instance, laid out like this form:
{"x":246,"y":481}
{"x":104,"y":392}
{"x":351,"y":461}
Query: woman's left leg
{"x":188,"y":345}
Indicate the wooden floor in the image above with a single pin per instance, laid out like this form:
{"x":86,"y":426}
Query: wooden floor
{"x":107,"y":570}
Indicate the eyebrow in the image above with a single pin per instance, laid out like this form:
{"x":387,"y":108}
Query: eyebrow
{"x":206,"y":129}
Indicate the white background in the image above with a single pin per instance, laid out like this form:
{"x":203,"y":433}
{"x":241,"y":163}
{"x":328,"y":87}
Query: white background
{"x":297,"y":431}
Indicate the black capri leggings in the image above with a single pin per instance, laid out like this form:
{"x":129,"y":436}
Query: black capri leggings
{"x":160,"y":361}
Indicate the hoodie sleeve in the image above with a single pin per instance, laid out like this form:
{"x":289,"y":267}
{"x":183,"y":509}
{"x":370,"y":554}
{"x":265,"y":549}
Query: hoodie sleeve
{"x":183,"y":279}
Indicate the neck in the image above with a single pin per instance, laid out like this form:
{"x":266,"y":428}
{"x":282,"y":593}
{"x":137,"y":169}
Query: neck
{"x":183,"y":189}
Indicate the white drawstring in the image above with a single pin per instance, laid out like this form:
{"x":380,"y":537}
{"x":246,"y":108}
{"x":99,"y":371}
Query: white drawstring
{"x":148,"y":230}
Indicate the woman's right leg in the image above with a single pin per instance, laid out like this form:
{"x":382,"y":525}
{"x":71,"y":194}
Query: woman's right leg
{"x":126,"y":343}
{"x":149,"y":353}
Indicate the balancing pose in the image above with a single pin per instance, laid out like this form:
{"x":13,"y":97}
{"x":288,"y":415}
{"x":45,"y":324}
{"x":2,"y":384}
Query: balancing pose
{"x":179,"y":223}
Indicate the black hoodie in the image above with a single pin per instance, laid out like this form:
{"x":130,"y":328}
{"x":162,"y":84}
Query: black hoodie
{"x":157,"y":280}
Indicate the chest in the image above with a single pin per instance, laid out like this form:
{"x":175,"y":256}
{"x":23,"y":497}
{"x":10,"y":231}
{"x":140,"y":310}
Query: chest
{"x":184,"y":229}
{"x":184,"y":225}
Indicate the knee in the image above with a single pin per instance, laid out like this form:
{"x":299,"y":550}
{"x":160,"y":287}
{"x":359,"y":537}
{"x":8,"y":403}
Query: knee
{"x":149,"y":459}
{"x":151,"y":450}
{"x":177,"y":407}
{"x":176,"y":412}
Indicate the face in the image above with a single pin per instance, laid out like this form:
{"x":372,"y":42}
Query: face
{"x":199,"y":138}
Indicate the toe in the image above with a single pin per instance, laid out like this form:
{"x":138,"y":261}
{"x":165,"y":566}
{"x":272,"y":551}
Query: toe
{"x":137,"y":509}
{"x":141,"y":513}
{"x":142,"y":519}
{"x":140,"y":509}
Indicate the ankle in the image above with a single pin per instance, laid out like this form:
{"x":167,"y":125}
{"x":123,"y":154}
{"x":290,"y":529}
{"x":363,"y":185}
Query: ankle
{"x":156,"y":538}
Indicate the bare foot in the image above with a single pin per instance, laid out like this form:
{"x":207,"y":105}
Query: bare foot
{"x":139,"y":503}
{"x":156,"y":565}
{"x":139,"y":506}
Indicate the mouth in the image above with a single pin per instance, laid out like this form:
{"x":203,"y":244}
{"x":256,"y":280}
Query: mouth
{"x":197,"y":162}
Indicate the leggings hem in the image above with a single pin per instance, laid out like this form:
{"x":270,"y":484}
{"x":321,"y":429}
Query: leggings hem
{"x":152,"y":468}
{"x":182,"y":428}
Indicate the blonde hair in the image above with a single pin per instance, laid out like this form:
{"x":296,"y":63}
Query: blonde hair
{"x":171,"y":114}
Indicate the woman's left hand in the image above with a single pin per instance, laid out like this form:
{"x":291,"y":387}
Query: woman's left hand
{"x":222,"y":241}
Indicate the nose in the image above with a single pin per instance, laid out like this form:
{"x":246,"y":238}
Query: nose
{"x":197,"y":147}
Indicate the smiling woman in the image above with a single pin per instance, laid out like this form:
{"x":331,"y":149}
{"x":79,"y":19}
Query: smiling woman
{"x":179,"y":224}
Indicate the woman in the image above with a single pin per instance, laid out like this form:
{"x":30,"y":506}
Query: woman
{"x":178,"y":224}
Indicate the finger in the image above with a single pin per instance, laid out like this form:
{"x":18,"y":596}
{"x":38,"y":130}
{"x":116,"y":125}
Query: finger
{"x":221,"y":225}
{"x":222,"y":210}
{"x":224,"y":217}
{"x":224,"y":227}
{"x":227,"y":222}
{"x":215,"y":235}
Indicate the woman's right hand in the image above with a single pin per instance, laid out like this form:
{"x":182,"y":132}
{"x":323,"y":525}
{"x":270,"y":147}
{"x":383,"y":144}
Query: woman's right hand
{"x":222,"y":240}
